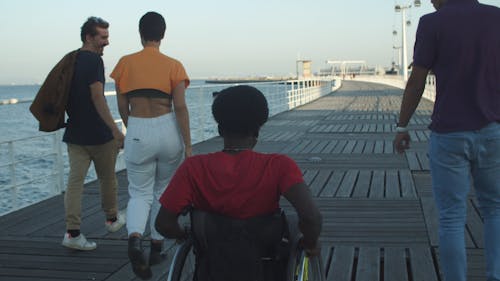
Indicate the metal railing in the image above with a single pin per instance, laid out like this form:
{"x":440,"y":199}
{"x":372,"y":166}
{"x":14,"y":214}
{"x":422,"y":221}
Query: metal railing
{"x":398,"y":82}
{"x":27,"y":178}
{"x":24,"y":170}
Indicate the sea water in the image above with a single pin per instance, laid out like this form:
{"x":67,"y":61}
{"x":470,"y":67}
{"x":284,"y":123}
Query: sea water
{"x":33,"y":150}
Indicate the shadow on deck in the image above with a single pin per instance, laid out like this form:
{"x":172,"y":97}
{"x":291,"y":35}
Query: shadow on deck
{"x":379,"y":217}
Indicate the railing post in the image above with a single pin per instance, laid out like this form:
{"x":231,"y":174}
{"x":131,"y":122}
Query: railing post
{"x":59,"y":161}
{"x":204,"y":112}
{"x":13,"y":181}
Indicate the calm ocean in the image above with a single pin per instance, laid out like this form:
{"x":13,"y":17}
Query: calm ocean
{"x":17,"y":122}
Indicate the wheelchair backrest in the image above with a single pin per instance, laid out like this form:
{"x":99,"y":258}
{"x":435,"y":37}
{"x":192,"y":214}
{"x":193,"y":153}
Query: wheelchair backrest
{"x":230,"y":249}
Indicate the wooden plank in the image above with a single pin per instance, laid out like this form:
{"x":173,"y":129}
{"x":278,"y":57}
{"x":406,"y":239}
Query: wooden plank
{"x":347,"y":185}
{"x":309,"y":176}
{"x":368,"y":267}
{"x":348,"y":148}
{"x":363,"y":184}
{"x":333,"y":184}
{"x":301,"y":146}
{"x":321,"y":145}
{"x":379,"y":147}
{"x":422,"y":264}
{"x":357,"y":128}
{"x":387,"y":128}
{"x":422,"y":136}
{"x":60,"y":263}
{"x":476,"y":265}
{"x":407,"y":185}
{"x":290,"y":147}
{"x":349,"y":161}
{"x":55,"y":214}
{"x":469,"y":243}
{"x":341,"y":265}
{"x":380,"y":128}
{"x":395,"y":264}
{"x":36,"y":274}
{"x":340,"y":146}
{"x":413,"y":162}
{"x":423,"y":184}
{"x":331,"y":145}
{"x":343,"y":128}
{"x":372,"y":222}
{"x":377,"y":187}
{"x":369,"y":147}
{"x":392,"y":184}
{"x":319,"y":182}
{"x":360,"y":146}
{"x":372,"y":128}
{"x":326,"y":254}
{"x":388,"y":147}
{"x":424,"y":161}
{"x":310,"y":147}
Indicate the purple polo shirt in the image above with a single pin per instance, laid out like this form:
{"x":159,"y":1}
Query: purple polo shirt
{"x":460,"y":43}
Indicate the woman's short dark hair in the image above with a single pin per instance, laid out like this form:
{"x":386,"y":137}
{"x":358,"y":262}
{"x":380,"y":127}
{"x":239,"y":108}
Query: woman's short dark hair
{"x":240,"y":110}
{"x":152,"y":26}
{"x":90,"y":27}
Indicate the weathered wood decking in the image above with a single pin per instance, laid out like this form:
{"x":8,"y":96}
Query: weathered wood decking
{"x":379,"y":217}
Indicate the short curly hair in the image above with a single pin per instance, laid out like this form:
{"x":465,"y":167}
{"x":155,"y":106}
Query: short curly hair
{"x":240,"y":110}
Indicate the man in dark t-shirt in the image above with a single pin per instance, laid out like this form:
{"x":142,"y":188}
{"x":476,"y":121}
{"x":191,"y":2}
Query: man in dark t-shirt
{"x":460,"y":43}
{"x":85,"y":126}
{"x":91,"y":136}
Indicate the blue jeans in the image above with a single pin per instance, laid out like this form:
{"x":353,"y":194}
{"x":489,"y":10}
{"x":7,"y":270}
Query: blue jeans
{"x":457,"y":161}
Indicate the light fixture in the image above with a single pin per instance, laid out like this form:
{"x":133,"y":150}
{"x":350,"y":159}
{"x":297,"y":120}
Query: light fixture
{"x":397,"y":8}
{"x":417,"y":3}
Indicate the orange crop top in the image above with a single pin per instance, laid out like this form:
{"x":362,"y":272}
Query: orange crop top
{"x":148,"y":69}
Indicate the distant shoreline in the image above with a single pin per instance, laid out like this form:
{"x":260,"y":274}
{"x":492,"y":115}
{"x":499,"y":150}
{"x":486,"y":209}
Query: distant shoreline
{"x":246,"y":80}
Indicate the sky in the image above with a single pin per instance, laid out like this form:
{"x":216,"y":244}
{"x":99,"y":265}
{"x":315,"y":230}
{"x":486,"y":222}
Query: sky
{"x":213,"y":39}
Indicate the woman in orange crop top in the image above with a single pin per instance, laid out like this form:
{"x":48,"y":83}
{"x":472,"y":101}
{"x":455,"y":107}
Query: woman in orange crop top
{"x":148,"y":85}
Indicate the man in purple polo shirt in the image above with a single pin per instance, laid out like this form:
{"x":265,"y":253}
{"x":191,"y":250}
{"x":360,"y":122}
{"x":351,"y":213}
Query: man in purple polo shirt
{"x":460,"y":43}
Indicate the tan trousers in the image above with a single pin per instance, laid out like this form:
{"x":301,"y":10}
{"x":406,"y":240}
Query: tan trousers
{"x":104,"y":159}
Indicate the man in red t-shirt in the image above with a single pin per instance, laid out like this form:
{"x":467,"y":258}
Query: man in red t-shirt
{"x":238,"y":182}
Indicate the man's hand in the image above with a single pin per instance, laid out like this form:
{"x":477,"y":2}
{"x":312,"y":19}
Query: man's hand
{"x":311,"y":249}
{"x":119,"y":137}
{"x":188,"y":151}
{"x":401,"y":142}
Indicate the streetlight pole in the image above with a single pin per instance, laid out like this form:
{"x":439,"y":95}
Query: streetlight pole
{"x":399,"y":57}
{"x":405,"y":56}
{"x":402,"y":9}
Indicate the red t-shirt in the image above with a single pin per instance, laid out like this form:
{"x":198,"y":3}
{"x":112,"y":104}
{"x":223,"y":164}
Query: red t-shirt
{"x":240,"y":185}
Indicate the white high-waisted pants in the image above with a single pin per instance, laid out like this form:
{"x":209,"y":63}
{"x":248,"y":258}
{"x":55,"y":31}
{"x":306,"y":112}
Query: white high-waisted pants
{"x":153,"y":151}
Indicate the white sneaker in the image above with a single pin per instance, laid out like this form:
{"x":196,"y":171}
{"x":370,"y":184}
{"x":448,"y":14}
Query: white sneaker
{"x":78,"y":243}
{"x":119,"y":223}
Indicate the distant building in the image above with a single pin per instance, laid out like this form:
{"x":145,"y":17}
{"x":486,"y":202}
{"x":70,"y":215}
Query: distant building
{"x":305,"y":66}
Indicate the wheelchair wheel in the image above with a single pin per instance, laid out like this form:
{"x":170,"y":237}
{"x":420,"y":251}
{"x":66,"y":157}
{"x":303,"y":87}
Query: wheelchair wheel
{"x":305,"y":268}
{"x":183,"y":264}
{"x":300,"y":267}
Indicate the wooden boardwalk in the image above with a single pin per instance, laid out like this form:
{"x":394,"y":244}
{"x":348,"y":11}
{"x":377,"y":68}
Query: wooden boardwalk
{"x":380,"y":222}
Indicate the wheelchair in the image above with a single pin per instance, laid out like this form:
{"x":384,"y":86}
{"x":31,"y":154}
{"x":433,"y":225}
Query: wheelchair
{"x":299,"y":267}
